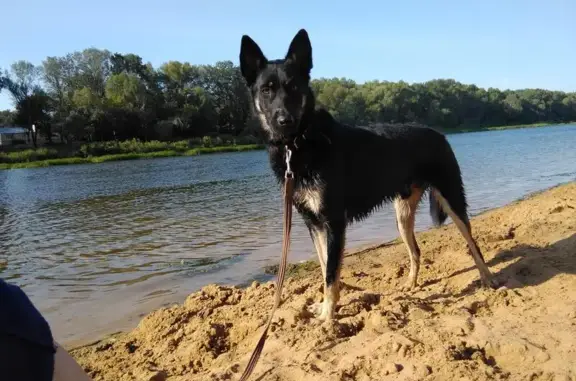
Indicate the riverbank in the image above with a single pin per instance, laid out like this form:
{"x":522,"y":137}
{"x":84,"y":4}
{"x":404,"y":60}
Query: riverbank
{"x":130,"y":156}
{"x":463,"y":130}
{"x":22,"y":159}
{"x":448,"y":329}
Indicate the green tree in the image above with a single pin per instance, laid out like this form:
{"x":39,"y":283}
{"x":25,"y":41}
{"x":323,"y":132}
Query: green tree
{"x":126,"y":90}
{"x":27,"y":95}
{"x":35,"y":109}
{"x":94,"y":94}
{"x":6,"y":118}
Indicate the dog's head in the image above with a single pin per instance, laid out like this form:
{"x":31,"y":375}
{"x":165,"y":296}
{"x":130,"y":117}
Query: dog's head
{"x":280,"y":89}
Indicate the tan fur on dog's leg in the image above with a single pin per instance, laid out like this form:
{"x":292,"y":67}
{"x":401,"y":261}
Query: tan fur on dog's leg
{"x":405,"y":216}
{"x":466,"y":231}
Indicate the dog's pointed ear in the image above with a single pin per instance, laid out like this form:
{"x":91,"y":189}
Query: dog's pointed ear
{"x":252,"y":60}
{"x":300,"y":51}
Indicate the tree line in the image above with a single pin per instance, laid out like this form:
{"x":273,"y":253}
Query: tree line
{"x":97,"y":95}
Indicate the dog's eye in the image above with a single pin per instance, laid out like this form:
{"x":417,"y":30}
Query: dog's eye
{"x":291,"y":86}
{"x":266,"y":90}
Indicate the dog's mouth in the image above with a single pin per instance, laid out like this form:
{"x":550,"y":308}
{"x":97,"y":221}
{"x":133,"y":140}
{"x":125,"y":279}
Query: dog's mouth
{"x":286,"y":130}
{"x":290,"y":131}
{"x":288,"y":126}
{"x":284,"y":137}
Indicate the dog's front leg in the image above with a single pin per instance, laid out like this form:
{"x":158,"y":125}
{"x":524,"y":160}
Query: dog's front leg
{"x":335,"y":242}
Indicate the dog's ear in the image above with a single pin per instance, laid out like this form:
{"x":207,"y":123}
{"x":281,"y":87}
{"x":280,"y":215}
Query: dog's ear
{"x":252,"y":59}
{"x":300,"y":51}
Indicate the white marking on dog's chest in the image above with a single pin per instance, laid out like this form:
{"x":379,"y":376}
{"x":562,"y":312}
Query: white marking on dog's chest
{"x":310,"y":197}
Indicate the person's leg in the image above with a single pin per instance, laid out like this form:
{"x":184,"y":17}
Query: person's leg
{"x":66,"y":368}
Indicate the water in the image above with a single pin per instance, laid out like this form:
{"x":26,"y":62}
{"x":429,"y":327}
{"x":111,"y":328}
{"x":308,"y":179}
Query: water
{"x":97,"y":246}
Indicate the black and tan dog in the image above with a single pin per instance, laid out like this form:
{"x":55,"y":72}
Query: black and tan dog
{"x":342,"y":173}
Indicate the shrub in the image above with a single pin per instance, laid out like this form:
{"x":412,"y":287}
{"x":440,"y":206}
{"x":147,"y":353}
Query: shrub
{"x":181,"y":145}
{"x":207,"y":141}
{"x":131,"y":146}
{"x":226,"y":139}
{"x":248,"y":139}
{"x":195,"y":142}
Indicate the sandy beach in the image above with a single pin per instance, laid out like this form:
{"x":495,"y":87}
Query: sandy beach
{"x":448,"y":329}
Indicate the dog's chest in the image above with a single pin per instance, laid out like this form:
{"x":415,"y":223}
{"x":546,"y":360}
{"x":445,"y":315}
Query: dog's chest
{"x":309,"y":196}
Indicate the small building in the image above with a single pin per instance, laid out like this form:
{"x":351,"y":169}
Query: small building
{"x":11,"y":135}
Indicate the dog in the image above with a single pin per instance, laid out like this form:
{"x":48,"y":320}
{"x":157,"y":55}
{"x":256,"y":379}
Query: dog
{"x":343,"y":173}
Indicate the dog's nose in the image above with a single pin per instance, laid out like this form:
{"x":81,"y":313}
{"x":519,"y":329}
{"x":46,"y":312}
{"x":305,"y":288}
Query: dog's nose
{"x":285,"y":120}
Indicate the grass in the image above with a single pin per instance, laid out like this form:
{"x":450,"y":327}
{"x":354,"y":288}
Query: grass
{"x":121,"y":156}
{"x":28,"y":155}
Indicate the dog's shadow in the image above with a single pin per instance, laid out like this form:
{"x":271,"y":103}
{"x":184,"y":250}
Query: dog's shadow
{"x":528,"y":265}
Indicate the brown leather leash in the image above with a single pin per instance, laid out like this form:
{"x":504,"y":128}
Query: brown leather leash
{"x":288,"y":192}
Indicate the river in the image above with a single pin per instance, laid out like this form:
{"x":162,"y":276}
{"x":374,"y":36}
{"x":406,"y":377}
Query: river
{"x":97,"y":246}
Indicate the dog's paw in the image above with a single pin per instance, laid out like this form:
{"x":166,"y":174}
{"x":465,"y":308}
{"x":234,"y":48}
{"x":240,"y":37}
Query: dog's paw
{"x":409,"y":286}
{"x":325,"y":316}
{"x":315,"y":309}
{"x":491,"y":282}
{"x":320,"y":312}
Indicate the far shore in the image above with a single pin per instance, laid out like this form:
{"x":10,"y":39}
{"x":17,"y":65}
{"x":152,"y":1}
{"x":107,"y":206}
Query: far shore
{"x":212,"y":150}
{"x":130,"y":156}
{"x":462,"y":130}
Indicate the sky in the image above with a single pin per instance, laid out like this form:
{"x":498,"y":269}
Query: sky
{"x":508,"y":44}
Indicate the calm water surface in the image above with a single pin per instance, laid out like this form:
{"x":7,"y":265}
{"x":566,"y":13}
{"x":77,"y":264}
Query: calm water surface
{"x":95,"y":246}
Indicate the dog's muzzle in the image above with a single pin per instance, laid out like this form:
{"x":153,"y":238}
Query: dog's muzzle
{"x":285,"y":120}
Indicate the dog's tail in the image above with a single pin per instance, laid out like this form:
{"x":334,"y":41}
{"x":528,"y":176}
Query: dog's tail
{"x":436,"y":212}
{"x":447,"y":180}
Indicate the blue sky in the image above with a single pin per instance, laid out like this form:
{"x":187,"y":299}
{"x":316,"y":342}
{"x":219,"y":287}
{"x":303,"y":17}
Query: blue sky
{"x":499,"y":43}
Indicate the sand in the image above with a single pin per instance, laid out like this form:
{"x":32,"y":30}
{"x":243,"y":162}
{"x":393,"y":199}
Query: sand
{"x":448,"y":329}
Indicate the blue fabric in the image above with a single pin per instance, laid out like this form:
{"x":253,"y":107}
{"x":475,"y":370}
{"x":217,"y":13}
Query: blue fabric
{"x":26,"y":344}
{"x":20,"y":318}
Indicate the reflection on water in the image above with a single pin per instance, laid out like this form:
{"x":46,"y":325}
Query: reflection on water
{"x":101,"y":242}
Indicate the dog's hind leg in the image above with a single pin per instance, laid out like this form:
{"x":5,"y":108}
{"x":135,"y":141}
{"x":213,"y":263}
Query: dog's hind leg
{"x":405,"y":216}
{"x":463,"y":224}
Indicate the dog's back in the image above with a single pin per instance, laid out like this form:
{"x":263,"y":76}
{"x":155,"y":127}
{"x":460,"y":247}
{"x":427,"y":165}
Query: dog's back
{"x":365,"y":169}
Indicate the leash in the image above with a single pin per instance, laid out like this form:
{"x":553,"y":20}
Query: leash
{"x":288,"y":192}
